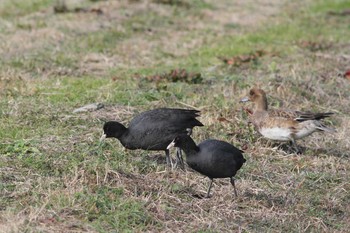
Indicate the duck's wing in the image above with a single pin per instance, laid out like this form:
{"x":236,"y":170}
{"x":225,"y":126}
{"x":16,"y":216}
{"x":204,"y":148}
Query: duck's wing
{"x":305,"y":116}
{"x":298,"y":115}
{"x":283,"y":113}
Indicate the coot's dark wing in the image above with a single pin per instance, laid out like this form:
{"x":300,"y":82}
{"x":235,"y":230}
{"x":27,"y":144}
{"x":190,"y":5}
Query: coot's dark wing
{"x":155,"y":129}
{"x":226,"y":157}
{"x":164,"y":116}
{"x":216,"y":146}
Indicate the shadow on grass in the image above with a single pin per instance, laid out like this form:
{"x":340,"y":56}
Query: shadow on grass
{"x":330,"y":151}
{"x":289,"y":149}
{"x":157,"y":158}
{"x":267,"y":199}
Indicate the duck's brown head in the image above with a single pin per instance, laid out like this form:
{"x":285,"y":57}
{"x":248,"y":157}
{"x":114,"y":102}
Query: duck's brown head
{"x":257,"y":96}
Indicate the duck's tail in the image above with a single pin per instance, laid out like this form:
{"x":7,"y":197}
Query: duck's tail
{"x":320,"y":126}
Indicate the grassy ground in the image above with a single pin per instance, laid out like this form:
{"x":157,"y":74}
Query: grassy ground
{"x":56,"y":177}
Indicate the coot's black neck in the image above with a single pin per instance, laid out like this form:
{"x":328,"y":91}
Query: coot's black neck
{"x":189,"y":147}
{"x":125,"y":138}
{"x":121,"y":133}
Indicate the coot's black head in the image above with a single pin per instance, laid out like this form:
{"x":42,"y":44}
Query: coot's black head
{"x":113,"y":129}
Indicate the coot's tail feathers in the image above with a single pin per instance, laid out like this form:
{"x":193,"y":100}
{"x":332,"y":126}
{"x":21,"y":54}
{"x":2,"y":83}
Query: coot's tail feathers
{"x":191,"y":123}
{"x":191,"y":115}
{"x":240,"y":162}
{"x":197,"y":123}
{"x":185,"y":118}
{"x":242,"y":159}
{"x":192,"y":111}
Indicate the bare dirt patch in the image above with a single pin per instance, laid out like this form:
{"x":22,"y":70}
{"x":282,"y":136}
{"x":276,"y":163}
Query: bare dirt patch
{"x":179,"y":36}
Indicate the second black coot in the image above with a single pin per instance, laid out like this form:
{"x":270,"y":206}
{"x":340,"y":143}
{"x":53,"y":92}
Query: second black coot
{"x":153,"y":129}
{"x":212,"y":158}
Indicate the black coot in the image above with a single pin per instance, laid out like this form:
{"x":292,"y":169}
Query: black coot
{"x":212,"y":158}
{"x":154,"y":129}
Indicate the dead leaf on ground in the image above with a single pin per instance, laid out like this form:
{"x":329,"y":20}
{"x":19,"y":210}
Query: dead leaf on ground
{"x":347,"y":75}
{"x":181,"y":3}
{"x":176,"y":75}
{"x":244,"y":147}
{"x":315,"y":45}
{"x":247,"y":110}
{"x":345,"y":12}
{"x":48,"y":220}
{"x":61,"y":7}
{"x":245,"y":58}
{"x":88,"y":10}
{"x":222,"y":119}
{"x":115,"y":78}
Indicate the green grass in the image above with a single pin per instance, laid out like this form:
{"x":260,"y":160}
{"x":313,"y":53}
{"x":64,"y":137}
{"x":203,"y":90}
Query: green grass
{"x":98,"y":41}
{"x":56,"y":176}
{"x":325,"y":6}
{"x":281,"y":37}
{"x":11,"y":9}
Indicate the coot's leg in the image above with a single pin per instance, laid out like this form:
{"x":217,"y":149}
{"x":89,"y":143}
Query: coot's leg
{"x":179,"y":159}
{"x":169,"y":162}
{"x":234,"y":186}
{"x":211,"y":183}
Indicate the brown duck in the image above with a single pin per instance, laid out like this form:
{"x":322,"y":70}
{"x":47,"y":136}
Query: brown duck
{"x":284,"y":125}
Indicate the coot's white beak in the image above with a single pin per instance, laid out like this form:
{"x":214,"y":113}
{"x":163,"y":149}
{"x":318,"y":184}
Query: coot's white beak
{"x":245,"y":99}
{"x":103,"y":137}
{"x":172,"y":144}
